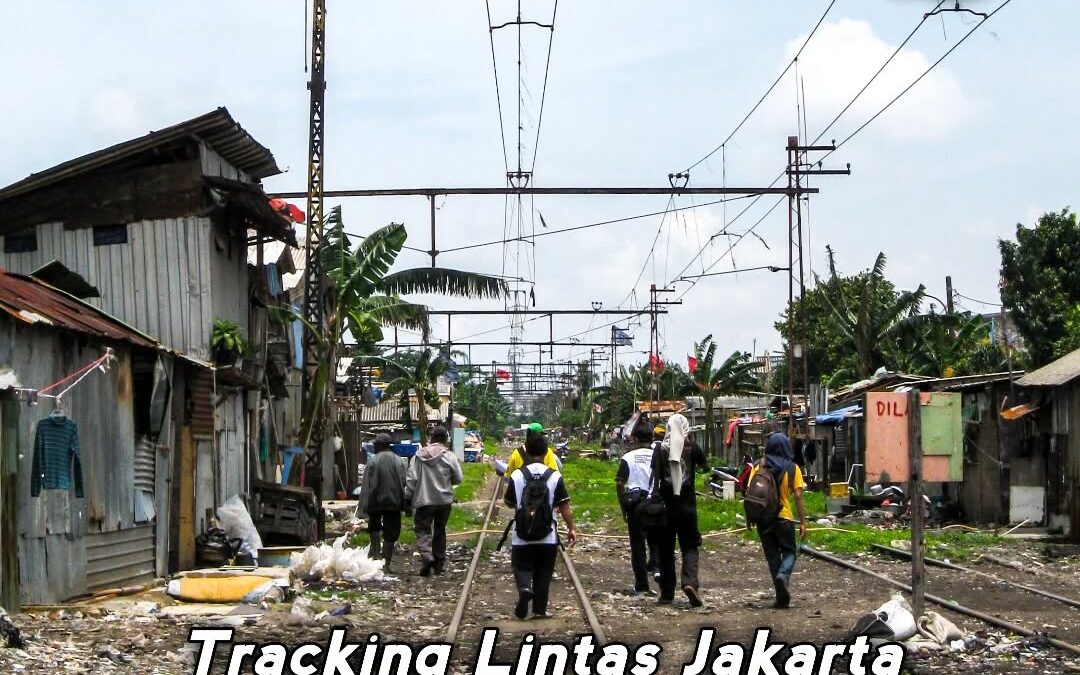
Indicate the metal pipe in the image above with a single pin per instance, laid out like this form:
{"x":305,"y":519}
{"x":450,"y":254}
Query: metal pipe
{"x":900,"y":553}
{"x":959,"y":609}
{"x":430,"y":192}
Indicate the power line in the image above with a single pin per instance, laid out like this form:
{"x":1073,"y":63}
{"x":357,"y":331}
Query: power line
{"x":981,"y":302}
{"x":918,"y":79}
{"x":574,"y":228}
{"x":767,"y":91}
{"x":498,"y":96}
{"x":543,"y":91}
{"x":648,"y":256}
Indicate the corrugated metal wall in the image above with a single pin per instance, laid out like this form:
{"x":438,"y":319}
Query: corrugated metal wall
{"x":170,"y":280}
{"x":232,"y":453}
{"x":52,"y":526}
{"x":120,"y":558}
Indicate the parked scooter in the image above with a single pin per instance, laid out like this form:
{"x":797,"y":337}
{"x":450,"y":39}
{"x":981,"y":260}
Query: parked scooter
{"x":738,"y":475}
{"x":562,"y":450}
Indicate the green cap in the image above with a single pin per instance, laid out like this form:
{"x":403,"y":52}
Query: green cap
{"x":536,"y":427}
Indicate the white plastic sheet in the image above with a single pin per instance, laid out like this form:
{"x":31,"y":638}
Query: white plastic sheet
{"x":339,"y":561}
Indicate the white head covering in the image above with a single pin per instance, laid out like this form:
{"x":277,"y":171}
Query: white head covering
{"x":674,"y":440}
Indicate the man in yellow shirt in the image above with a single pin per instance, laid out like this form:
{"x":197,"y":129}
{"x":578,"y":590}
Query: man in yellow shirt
{"x":517,"y":457}
{"x":778,"y":538}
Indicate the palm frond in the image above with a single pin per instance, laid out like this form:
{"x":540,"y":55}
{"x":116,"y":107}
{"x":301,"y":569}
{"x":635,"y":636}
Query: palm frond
{"x":443,"y":281}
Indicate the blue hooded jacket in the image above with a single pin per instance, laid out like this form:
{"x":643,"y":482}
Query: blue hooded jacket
{"x":780,"y":457}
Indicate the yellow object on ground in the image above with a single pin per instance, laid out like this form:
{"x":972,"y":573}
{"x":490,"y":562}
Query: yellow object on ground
{"x":222,"y":589}
{"x":838,"y":490}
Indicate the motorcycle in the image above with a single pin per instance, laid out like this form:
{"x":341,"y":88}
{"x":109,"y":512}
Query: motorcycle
{"x":562,"y":450}
{"x":737,"y":475}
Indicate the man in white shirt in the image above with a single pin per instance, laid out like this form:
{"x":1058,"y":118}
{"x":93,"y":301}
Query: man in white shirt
{"x":632,"y":482}
{"x":534,"y":546}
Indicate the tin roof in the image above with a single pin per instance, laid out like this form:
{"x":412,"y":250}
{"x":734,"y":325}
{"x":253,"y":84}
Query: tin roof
{"x":216,"y":128}
{"x":1055,"y":373}
{"x":35,"y":302}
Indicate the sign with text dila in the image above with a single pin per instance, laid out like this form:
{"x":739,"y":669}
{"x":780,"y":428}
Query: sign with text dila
{"x":887,"y":437}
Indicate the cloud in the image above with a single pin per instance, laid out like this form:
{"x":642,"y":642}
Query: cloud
{"x":117,"y":112}
{"x":844,"y":55}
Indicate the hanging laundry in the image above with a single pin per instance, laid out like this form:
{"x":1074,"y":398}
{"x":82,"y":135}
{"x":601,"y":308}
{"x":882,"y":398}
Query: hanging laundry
{"x":56,"y":464}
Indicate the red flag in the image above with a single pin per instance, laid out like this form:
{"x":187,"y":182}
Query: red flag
{"x":692,"y":363}
{"x":501,"y":374}
{"x":656,"y":364}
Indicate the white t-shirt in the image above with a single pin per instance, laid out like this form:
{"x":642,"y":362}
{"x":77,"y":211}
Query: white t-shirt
{"x":557,"y":494}
{"x":635,"y":469}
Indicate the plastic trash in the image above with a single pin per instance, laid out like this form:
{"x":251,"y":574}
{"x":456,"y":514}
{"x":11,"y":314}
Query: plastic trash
{"x":237,"y":523}
{"x":301,"y":607}
{"x":892,"y":620}
{"x":335,"y":562}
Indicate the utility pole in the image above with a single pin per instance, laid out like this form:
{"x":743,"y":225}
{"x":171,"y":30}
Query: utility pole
{"x":915,"y":500}
{"x":654,"y":338}
{"x":948,"y":296}
{"x":797,"y":347}
{"x":314,"y":277}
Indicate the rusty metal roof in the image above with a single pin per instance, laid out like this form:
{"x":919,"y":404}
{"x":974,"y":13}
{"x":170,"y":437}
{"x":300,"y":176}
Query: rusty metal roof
{"x":1055,"y":373}
{"x":217,"y":129}
{"x":35,"y":302}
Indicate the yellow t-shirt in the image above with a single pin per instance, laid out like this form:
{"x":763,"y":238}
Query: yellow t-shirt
{"x":517,"y":460}
{"x":786,"y":510}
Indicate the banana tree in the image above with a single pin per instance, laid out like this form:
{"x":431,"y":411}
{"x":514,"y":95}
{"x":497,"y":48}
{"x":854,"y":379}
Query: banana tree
{"x":363,"y":295}
{"x":734,"y":376}
{"x":420,"y":380}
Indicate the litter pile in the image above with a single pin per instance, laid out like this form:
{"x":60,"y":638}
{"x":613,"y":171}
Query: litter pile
{"x":338,"y":562}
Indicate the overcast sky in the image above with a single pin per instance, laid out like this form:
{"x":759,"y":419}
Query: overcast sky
{"x":636,"y":90}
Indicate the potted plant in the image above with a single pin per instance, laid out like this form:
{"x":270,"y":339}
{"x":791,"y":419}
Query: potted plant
{"x":227,"y":342}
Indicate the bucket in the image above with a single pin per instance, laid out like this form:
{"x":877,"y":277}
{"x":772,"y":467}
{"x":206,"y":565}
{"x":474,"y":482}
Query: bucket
{"x":729,"y":489}
{"x":838,"y":490}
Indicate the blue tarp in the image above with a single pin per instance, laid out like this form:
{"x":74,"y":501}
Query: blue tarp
{"x":837,"y":416}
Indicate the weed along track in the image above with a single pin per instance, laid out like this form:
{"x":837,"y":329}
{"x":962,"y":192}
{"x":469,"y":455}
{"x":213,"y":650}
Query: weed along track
{"x":488,"y":593}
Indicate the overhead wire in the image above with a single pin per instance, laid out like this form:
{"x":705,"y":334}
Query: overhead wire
{"x":543,"y":91}
{"x":498,"y":96}
{"x":767,"y":91}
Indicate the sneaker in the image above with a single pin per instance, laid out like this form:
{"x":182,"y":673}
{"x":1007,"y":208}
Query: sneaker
{"x":665,"y":601}
{"x":440,"y":567}
{"x":541,"y":615}
{"x":656,"y":577}
{"x":425,"y":569}
{"x":693,"y":595}
{"x":521,"y":609}
{"x":783,"y":597}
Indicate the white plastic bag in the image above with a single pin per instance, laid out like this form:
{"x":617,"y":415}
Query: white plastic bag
{"x":896,"y":613}
{"x":335,"y":562}
{"x":236,"y":521}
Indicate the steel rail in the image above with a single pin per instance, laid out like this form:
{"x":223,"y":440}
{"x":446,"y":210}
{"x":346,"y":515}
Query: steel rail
{"x":959,"y":609}
{"x":899,"y":553}
{"x":463,"y":600}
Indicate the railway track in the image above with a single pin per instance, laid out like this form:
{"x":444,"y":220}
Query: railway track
{"x":985,"y":616}
{"x":484,"y":574}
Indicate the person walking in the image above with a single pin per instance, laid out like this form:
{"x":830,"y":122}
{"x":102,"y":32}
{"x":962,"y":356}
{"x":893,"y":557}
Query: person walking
{"x":535,"y":493}
{"x":383,"y":498}
{"x":778,"y":536}
{"x":518,"y":456}
{"x":429,"y":487}
{"x":633,"y":479}
{"x":676,"y":461}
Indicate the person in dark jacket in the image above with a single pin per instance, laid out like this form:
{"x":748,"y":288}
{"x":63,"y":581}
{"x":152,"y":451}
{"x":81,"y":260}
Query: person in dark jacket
{"x":633,"y":479}
{"x":383,"y":498}
{"x":778,"y":539}
{"x":676,"y":461}
{"x":429,"y":487}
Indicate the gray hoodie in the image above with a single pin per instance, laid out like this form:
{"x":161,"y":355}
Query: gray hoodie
{"x":432,"y":476}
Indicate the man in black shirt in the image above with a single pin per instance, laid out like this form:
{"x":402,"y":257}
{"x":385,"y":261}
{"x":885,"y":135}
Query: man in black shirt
{"x":676,"y":462}
{"x":633,"y":480}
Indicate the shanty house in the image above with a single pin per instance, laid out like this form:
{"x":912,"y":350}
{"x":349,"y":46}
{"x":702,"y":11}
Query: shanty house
{"x":69,"y":528}
{"x":155,"y":231}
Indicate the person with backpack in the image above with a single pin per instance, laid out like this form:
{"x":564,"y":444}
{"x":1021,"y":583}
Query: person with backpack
{"x":633,"y":480}
{"x":382,"y":498}
{"x":774,"y":483}
{"x":674,"y":464}
{"x":429,"y":486}
{"x":535,"y":493}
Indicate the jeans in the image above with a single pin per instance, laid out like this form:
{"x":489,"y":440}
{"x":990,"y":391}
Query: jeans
{"x":778,"y":543}
{"x":430,"y":525}
{"x":639,"y":549}
{"x":681,"y":525}
{"x":387,"y":522}
{"x":533,"y":566}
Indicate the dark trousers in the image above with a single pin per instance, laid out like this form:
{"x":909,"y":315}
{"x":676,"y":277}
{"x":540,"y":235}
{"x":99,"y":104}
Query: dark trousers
{"x":430,"y":525}
{"x":387,"y":522}
{"x":533,"y":565}
{"x":642,"y":551}
{"x":778,"y":543}
{"x":682,"y":526}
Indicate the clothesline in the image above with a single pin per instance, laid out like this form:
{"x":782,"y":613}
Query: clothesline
{"x":102,"y":363}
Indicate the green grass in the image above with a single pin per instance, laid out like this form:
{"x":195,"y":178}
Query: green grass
{"x":591,"y":483}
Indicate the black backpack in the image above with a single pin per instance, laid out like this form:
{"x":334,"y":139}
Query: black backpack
{"x":761,"y":500}
{"x":534,"y":518}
